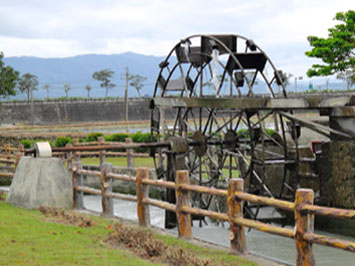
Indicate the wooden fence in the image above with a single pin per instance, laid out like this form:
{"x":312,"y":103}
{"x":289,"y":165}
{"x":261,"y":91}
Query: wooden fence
{"x":303,"y":208}
{"x":9,"y":158}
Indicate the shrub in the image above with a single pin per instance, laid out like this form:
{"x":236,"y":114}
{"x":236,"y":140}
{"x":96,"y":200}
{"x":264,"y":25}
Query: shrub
{"x":119,"y":137}
{"x":140,"y":137}
{"x":62,"y":141}
{"x":94,"y":136}
{"x":27,"y":143}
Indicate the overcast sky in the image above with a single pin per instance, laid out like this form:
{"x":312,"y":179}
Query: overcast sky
{"x":65,"y":28}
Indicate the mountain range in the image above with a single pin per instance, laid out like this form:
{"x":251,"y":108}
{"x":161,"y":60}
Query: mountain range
{"x":77,"y":72}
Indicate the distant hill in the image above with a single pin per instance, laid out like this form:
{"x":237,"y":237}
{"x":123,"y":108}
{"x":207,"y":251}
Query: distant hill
{"x":78,"y":70}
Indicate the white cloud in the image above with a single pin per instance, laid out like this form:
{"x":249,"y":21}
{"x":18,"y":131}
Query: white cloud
{"x":66,"y":28}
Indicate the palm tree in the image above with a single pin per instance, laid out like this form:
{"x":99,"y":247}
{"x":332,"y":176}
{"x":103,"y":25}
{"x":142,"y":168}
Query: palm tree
{"x":88,"y":88}
{"x":67,"y":88}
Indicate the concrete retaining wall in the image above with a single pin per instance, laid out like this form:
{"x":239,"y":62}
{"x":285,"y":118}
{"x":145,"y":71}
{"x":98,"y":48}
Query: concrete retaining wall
{"x":57,"y":112}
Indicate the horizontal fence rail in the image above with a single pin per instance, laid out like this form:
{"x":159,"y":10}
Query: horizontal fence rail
{"x":235,"y":197}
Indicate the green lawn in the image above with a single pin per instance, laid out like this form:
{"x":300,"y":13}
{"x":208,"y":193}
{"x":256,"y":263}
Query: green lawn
{"x":30,"y":238}
{"x":120,"y":161}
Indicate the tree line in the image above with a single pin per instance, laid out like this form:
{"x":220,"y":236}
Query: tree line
{"x":11,"y":81}
{"x":336,"y":52}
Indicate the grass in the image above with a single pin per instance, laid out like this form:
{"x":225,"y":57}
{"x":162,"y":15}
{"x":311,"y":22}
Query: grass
{"x":120,"y":161}
{"x":31,"y":238}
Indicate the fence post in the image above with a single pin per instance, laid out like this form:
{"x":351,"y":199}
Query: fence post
{"x":304,"y":224}
{"x":101,"y":152}
{"x":106,"y":186}
{"x":130,"y":158}
{"x":21,"y":149}
{"x":78,"y":196}
{"x":142,"y":193}
{"x":7,"y":153}
{"x":235,"y":210}
{"x":76,"y":154}
{"x":183,"y":199}
{"x":17,"y":159}
{"x":69,"y":157}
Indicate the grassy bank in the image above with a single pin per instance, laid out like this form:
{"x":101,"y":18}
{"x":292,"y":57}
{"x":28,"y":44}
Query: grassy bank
{"x":58,"y":237}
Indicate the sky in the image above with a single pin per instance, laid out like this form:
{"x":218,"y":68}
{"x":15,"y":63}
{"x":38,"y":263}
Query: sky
{"x":65,"y":28}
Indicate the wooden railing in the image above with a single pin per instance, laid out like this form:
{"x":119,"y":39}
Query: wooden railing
{"x":303,"y":209}
{"x":9,"y":158}
{"x":69,"y":156}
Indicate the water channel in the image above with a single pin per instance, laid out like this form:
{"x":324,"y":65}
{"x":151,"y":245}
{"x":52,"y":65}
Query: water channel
{"x":258,"y":243}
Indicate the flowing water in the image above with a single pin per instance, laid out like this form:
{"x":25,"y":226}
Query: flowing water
{"x":258,"y":243}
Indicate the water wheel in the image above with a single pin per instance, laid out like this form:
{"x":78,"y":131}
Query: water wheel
{"x":225,"y":141}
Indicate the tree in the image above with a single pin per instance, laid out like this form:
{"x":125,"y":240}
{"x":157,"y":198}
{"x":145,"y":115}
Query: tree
{"x":336,"y":51}
{"x":349,"y":77}
{"x":27,"y":84}
{"x":8,"y":79}
{"x":136,"y":81}
{"x":88,"y":88}
{"x":46,"y":87}
{"x":67,"y":88}
{"x":286,"y":78}
{"x":104,"y":77}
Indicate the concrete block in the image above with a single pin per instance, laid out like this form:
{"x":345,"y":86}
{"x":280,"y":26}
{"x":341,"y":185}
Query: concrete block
{"x":41,"y":181}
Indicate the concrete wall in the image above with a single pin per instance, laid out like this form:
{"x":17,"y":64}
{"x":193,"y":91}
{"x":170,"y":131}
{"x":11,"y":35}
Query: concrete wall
{"x":56,"y":112}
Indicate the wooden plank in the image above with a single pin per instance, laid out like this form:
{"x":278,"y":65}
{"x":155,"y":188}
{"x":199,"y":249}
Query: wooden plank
{"x":282,"y":204}
{"x":330,"y":241}
{"x":201,"y":212}
{"x":272,"y":229}
{"x":160,"y":204}
{"x":122,"y":177}
{"x":205,"y":190}
{"x":330,"y":212}
{"x":159,"y":183}
{"x":121,"y":196}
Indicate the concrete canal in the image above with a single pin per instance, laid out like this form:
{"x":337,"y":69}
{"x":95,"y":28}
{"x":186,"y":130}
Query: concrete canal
{"x":258,"y":243}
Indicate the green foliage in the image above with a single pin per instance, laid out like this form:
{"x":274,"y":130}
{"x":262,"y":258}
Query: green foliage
{"x":94,"y":136}
{"x":119,"y":137}
{"x":27,"y":84}
{"x":104,"y":76}
{"x":62,"y":141}
{"x":136,"y":81}
{"x":8,"y":79}
{"x":140,"y":137}
{"x":336,"y":51}
{"x":27,"y":143}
